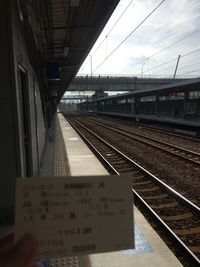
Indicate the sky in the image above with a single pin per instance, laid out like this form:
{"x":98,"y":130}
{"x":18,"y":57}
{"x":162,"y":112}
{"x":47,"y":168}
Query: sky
{"x":152,"y":50}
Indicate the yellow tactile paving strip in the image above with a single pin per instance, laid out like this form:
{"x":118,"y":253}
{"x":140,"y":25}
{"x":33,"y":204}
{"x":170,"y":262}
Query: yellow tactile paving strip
{"x":60,"y":168}
{"x":60,"y":161}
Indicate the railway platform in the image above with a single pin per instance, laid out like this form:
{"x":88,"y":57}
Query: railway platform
{"x":67,"y":154}
{"x":157,"y":119}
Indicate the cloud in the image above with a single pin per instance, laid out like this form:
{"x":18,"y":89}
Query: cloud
{"x":172,"y":21}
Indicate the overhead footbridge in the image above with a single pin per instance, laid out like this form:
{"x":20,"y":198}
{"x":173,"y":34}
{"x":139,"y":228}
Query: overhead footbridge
{"x":117,"y":83}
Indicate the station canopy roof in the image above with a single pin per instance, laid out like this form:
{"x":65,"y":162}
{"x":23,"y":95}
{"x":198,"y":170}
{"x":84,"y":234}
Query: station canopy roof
{"x":187,"y":85}
{"x":69,"y":29}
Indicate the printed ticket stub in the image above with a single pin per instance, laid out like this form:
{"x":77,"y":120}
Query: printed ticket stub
{"x":75,"y":215}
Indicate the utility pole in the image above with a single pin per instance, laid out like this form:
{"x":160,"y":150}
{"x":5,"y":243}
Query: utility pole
{"x":176,"y":66}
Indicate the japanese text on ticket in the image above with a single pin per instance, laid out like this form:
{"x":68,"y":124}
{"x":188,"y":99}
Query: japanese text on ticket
{"x":75,"y":215}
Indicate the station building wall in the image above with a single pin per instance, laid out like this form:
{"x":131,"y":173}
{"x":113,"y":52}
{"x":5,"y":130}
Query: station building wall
{"x":21,"y":108}
{"x":21,"y":57}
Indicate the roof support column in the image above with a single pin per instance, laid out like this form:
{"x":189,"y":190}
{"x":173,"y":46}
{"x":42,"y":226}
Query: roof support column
{"x":156,"y":106}
{"x":137,"y":105}
{"x":186,"y":98}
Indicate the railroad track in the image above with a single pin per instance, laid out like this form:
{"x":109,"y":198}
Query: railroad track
{"x":153,"y":129}
{"x":187,"y":142}
{"x":182,"y":153}
{"x":177,"y":216}
{"x":170,"y":131}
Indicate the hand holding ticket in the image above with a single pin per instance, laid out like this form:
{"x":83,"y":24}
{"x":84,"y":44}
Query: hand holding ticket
{"x":75,"y":215}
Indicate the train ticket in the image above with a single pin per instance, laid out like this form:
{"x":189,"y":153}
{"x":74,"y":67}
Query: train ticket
{"x":75,"y":215}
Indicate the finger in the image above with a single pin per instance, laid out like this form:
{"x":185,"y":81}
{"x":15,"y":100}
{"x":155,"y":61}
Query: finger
{"x":22,"y":254}
{"x":6,"y":241}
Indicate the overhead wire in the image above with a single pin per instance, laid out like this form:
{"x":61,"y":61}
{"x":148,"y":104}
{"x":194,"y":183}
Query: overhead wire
{"x":112,"y":27}
{"x":110,"y":31}
{"x":172,"y":69}
{"x":185,"y":61}
{"x":163,"y":70}
{"x":161,"y":65}
{"x":189,"y":53}
{"x":172,"y":44}
{"x":179,"y":69}
{"x":169,"y":61}
{"x":163,"y":49}
{"x":191,"y":71}
{"x":117,"y":47}
{"x":188,"y":66}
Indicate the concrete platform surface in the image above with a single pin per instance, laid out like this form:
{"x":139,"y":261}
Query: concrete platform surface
{"x":150,"y":249}
{"x":80,"y":158}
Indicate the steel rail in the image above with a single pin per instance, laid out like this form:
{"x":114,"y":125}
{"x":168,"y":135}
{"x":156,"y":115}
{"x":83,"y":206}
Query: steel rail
{"x":153,"y":129}
{"x":140,"y":168}
{"x":187,"y":252}
{"x":148,"y":127}
{"x":130,"y":134}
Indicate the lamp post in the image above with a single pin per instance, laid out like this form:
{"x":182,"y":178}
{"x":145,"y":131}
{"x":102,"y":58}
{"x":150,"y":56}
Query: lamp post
{"x":142,"y":69}
{"x":90,"y":65}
